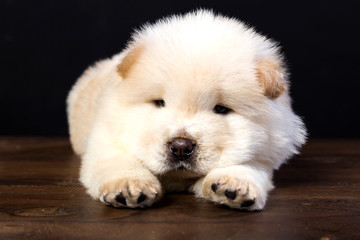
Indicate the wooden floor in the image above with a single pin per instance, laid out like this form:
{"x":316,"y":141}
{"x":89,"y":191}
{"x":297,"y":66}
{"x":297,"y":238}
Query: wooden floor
{"x":317,"y":197}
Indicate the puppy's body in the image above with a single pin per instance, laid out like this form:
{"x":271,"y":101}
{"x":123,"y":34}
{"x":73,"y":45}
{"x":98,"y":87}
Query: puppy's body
{"x":197,"y":102}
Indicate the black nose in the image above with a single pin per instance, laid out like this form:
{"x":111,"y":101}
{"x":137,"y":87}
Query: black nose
{"x":181,"y":148}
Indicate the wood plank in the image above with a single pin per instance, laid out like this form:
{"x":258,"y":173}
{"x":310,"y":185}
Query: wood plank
{"x":317,"y":197}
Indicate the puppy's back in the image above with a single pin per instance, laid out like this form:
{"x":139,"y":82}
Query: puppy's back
{"x":82,"y":101}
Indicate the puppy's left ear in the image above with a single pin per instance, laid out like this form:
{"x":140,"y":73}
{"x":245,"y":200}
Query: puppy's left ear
{"x":272,"y":77}
{"x":128,"y":62}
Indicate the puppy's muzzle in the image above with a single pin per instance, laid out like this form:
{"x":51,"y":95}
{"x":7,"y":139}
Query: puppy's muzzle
{"x":181,"y":148}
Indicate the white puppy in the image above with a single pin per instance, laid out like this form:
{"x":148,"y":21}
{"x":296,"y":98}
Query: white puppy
{"x":198,"y":102}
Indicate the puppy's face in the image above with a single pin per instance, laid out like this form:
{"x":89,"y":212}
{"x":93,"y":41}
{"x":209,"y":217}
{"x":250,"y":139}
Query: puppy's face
{"x":195,"y":108}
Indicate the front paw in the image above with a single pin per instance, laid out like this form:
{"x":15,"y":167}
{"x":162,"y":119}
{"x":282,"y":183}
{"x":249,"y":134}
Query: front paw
{"x":233,"y":191}
{"x":131,"y":192}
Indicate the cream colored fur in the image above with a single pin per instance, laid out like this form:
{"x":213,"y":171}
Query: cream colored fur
{"x":193,"y":62}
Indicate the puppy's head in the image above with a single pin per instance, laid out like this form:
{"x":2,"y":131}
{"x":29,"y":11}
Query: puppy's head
{"x":197,"y":93}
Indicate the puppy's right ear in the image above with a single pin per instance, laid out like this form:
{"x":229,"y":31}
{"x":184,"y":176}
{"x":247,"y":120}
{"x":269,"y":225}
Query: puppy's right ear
{"x":129,"y":61}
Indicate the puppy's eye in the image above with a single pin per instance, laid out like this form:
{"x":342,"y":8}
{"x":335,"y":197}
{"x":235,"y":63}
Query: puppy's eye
{"x":220,"y":109}
{"x":159,"y":103}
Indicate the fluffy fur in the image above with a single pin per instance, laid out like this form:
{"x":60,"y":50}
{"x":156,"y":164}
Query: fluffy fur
{"x":193,"y":63}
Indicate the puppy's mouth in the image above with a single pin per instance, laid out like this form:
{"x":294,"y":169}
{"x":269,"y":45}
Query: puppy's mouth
{"x":182,"y":166}
{"x":183,"y":170}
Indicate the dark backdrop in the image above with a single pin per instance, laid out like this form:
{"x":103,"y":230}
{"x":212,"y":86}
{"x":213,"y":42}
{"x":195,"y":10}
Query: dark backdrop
{"x":45,"y":46}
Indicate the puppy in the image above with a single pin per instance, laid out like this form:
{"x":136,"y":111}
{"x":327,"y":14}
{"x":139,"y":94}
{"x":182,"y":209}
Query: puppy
{"x":197,"y":102}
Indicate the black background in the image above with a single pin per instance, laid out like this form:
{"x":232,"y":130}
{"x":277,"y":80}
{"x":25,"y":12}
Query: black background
{"x":46,"y":45}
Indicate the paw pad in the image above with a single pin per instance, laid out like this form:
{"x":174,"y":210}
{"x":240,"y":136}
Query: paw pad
{"x":247,"y":203}
{"x":214,"y":187}
{"x":121,"y":199}
{"x":141,"y":198}
{"x":230,"y":194}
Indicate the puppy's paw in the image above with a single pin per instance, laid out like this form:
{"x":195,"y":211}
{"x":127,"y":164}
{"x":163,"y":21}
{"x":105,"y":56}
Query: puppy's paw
{"x":233,"y":191}
{"x":131,"y":192}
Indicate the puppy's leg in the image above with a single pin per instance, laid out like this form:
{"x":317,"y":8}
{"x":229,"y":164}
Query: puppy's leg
{"x":242,"y":187}
{"x":120,"y":181}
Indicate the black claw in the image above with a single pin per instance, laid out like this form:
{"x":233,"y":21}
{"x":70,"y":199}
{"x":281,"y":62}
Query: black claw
{"x":248,"y":203}
{"x":230,"y":194}
{"x":141,"y":198}
{"x":214,"y":187}
{"x":121,"y":199}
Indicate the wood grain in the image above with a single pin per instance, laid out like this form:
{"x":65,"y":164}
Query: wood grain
{"x":317,"y":197}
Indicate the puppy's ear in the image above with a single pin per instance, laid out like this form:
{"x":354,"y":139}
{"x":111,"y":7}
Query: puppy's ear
{"x":271,"y":76}
{"x":128,"y":62}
